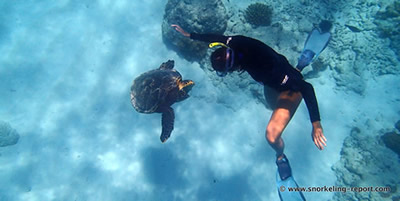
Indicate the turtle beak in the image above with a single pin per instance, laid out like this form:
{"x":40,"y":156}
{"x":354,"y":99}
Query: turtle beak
{"x":187,"y":86}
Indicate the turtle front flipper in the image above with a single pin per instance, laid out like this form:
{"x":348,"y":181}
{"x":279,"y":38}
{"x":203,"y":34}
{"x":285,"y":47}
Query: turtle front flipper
{"x":167,"y":122}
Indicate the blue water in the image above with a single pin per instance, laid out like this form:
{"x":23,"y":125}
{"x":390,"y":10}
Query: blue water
{"x":66,"y":68}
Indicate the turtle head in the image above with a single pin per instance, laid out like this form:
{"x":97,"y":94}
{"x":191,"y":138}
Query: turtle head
{"x":184,"y":87}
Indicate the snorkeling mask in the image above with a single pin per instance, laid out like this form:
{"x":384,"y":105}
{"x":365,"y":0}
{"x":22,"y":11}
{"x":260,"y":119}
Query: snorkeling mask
{"x":229,"y":57}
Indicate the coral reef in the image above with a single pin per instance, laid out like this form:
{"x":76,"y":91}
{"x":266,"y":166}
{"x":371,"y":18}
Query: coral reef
{"x":388,"y":22}
{"x":8,"y":135}
{"x":193,"y":16}
{"x":317,"y":66}
{"x":354,"y":38}
{"x":392,"y":141}
{"x":365,"y":161}
{"x":387,"y":19}
{"x":258,"y":14}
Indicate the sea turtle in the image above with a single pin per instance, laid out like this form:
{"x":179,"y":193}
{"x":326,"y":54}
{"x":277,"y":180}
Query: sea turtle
{"x":156,"y":90}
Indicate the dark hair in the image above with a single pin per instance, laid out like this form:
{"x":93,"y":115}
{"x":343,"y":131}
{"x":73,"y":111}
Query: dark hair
{"x":218,"y":59}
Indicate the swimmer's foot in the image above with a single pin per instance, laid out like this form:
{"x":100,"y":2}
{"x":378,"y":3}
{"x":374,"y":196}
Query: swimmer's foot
{"x":283,"y":167}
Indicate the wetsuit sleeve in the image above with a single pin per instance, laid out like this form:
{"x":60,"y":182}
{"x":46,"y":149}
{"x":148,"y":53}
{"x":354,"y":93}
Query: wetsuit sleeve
{"x":307,"y":90}
{"x":209,"y":37}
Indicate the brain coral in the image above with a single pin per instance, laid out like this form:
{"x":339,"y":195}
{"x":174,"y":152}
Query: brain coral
{"x":258,"y":14}
{"x":8,"y":135}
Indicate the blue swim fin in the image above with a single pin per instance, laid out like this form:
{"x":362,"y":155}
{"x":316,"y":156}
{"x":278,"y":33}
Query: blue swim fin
{"x":316,"y":42}
{"x":283,"y":189}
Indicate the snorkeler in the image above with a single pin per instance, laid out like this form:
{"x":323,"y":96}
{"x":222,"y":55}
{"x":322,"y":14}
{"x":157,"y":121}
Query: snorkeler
{"x":241,"y":53}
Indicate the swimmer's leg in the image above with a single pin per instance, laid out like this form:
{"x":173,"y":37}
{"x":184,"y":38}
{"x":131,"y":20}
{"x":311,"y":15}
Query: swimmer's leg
{"x":286,"y":106}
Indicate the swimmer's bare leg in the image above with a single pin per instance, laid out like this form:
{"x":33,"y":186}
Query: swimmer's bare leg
{"x":286,"y":106}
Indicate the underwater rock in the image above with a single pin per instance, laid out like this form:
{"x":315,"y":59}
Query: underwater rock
{"x":193,"y":16}
{"x":392,"y":141}
{"x":258,"y":14}
{"x":8,"y":135}
{"x":365,"y":161}
{"x":397,"y":125}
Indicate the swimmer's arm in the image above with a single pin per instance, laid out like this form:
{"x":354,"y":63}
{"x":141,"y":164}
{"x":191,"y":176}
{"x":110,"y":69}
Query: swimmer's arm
{"x":307,"y":90}
{"x":318,"y":135}
{"x":312,"y":105}
{"x":201,"y":37}
{"x":209,"y":38}
{"x":180,"y":30}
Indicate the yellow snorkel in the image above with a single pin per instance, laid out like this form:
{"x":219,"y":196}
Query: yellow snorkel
{"x":211,"y":45}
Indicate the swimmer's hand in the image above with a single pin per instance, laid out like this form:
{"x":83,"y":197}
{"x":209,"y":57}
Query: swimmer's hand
{"x":180,"y":30}
{"x":318,"y":135}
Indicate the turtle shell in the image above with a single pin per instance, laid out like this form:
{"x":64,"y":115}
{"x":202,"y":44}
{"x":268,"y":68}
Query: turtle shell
{"x":151,"y":89}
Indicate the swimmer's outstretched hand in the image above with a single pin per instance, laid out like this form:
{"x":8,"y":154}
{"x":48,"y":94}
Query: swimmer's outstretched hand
{"x":180,"y":30}
{"x":318,"y":135}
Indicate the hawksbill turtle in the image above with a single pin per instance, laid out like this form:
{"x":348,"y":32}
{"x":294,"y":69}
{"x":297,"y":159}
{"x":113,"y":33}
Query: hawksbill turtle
{"x":156,"y":90}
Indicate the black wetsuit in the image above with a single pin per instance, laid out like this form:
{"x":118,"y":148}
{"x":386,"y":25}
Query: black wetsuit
{"x":266,"y":66}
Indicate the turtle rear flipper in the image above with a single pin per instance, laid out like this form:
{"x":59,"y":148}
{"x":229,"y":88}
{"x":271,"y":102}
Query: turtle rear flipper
{"x":167,"y":122}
